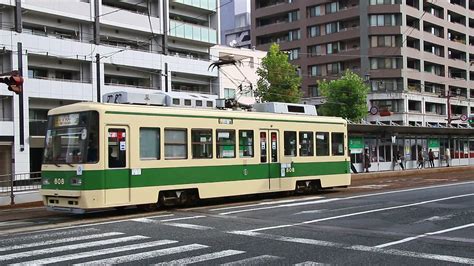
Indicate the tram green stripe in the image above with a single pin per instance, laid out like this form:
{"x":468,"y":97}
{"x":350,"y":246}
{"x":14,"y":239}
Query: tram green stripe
{"x":121,"y":178}
{"x":224,"y":117}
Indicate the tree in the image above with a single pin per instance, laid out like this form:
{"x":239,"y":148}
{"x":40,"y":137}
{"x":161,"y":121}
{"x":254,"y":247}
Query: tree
{"x":278,"y":79}
{"x":345,"y":97}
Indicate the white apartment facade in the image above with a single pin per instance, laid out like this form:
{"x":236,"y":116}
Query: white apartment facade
{"x":77,"y":50}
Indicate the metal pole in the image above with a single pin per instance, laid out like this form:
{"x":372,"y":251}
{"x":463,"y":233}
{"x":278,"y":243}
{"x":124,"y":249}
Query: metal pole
{"x":12,"y":195}
{"x":449,"y":107}
{"x":97,"y":63}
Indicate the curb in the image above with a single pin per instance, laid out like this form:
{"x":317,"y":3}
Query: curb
{"x":412,"y":172}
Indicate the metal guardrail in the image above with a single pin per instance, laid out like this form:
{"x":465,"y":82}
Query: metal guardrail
{"x":11,"y":184}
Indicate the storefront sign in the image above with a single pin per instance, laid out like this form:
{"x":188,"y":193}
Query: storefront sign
{"x":356,"y":144}
{"x":433,"y":144}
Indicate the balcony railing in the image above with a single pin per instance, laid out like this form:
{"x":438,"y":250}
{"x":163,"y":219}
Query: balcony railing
{"x":192,"y":32}
{"x":210,"y":5}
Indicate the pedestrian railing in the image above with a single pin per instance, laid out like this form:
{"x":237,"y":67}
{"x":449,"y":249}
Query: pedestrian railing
{"x":14,"y":183}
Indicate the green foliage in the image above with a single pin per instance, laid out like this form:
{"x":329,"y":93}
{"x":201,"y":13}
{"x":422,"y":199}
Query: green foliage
{"x":278,"y":79}
{"x":345,"y":97}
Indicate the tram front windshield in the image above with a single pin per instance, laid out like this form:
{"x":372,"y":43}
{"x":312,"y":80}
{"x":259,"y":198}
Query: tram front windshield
{"x":72,"y":138}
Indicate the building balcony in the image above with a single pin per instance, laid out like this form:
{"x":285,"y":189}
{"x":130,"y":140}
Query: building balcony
{"x":209,"y":5}
{"x":6,"y":128}
{"x":73,"y":9}
{"x":130,"y":20}
{"x":60,"y":89}
{"x":193,"y":32}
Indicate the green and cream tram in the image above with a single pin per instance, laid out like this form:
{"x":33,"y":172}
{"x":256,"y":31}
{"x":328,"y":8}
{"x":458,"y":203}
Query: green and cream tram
{"x":114,"y":155}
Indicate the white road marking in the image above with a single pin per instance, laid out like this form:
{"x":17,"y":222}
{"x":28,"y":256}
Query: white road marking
{"x":69,"y":247}
{"x":190,"y":226}
{"x":310,"y":263}
{"x":394,"y":252}
{"x":205,"y":257}
{"x":281,"y":206}
{"x":436,"y":218}
{"x":362,"y":212}
{"x":58,"y":241}
{"x":32,"y":237}
{"x":260,"y":260}
{"x":266,"y":203}
{"x":310,"y":212}
{"x":183,"y":218}
{"x":99,"y":252}
{"x":372,"y":186}
{"x":145,"y":255}
{"x":424,"y":235}
{"x":10,"y":223}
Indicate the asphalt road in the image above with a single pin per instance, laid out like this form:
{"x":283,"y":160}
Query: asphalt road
{"x":428,"y":225}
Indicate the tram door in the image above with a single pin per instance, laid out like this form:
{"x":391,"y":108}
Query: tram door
{"x":269,"y":156}
{"x":117,"y":173}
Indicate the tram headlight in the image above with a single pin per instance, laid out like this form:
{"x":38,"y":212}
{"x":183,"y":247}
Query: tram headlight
{"x":45,"y":181}
{"x":76,"y":181}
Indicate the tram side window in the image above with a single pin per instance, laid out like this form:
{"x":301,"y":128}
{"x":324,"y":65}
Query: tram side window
{"x":322,"y":144}
{"x":201,"y":143}
{"x":176,"y":144}
{"x":246,"y":143}
{"x":149,"y":143}
{"x":337,"y":140}
{"x":290,"y":143}
{"x":225,"y":144}
{"x":306,"y":144}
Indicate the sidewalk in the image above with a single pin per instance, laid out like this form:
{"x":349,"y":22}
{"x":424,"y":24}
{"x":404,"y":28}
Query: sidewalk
{"x":33,"y":198}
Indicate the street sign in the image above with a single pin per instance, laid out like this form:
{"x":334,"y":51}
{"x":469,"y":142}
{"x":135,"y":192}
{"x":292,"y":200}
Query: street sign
{"x":464,"y":117}
{"x":374,"y":110}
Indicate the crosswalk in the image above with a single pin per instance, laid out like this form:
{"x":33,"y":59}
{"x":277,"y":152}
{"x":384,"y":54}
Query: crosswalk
{"x":104,"y":248}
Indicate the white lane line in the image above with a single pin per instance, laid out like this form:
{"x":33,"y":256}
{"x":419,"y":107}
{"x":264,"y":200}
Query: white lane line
{"x":310,"y":263}
{"x":69,"y":247}
{"x":281,"y":206}
{"x":362,"y":212}
{"x":99,"y":252}
{"x":394,"y":252}
{"x":10,"y":223}
{"x":205,"y":257}
{"x":148,"y":220}
{"x":424,"y":235}
{"x":190,"y":226}
{"x":34,"y":236}
{"x":260,"y":260}
{"x":145,"y":255}
{"x":58,"y":241}
{"x":183,"y":218}
{"x":267,"y":203}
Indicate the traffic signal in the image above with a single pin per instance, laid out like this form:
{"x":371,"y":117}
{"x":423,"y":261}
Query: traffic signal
{"x":14,"y":82}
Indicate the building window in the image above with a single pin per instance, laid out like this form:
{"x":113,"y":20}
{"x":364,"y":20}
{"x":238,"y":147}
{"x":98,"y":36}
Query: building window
{"x":337,"y":140}
{"x":313,"y":91}
{"x":201,"y":143}
{"x":290,"y":143}
{"x":306,"y":144}
{"x":246,"y":143}
{"x":37,"y":73}
{"x":176,"y":144}
{"x":322,"y":144}
{"x":331,"y":28}
{"x":149,"y":143}
{"x":314,"y":31}
{"x":294,"y":35}
{"x":314,"y":50}
{"x":332,"y":7}
{"x":229,"y":93}
{"x":315,"y":71}
{"x":225,"y":144}
{"x":293,"y":54}
{"x":314,"y":11}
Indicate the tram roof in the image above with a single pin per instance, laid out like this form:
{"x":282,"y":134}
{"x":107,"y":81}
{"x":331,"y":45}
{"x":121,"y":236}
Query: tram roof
{"x":408,"y":130}
{"x":191,"y":112}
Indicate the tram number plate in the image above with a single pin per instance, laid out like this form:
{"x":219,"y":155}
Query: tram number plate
{"x":58,"y":181}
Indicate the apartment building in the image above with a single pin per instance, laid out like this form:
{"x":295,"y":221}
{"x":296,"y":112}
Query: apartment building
{"x":415,"y":54}
{"x":78,"y":50}
{"x":235,"y":27}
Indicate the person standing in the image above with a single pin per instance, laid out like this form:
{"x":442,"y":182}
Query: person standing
{"x":366,"y":160}
{"x":354,"y":170}
{"x":420,"y":160}
{"x":447,"y":154}
{"x":399,"y":159}
{"x":431,"y":158}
